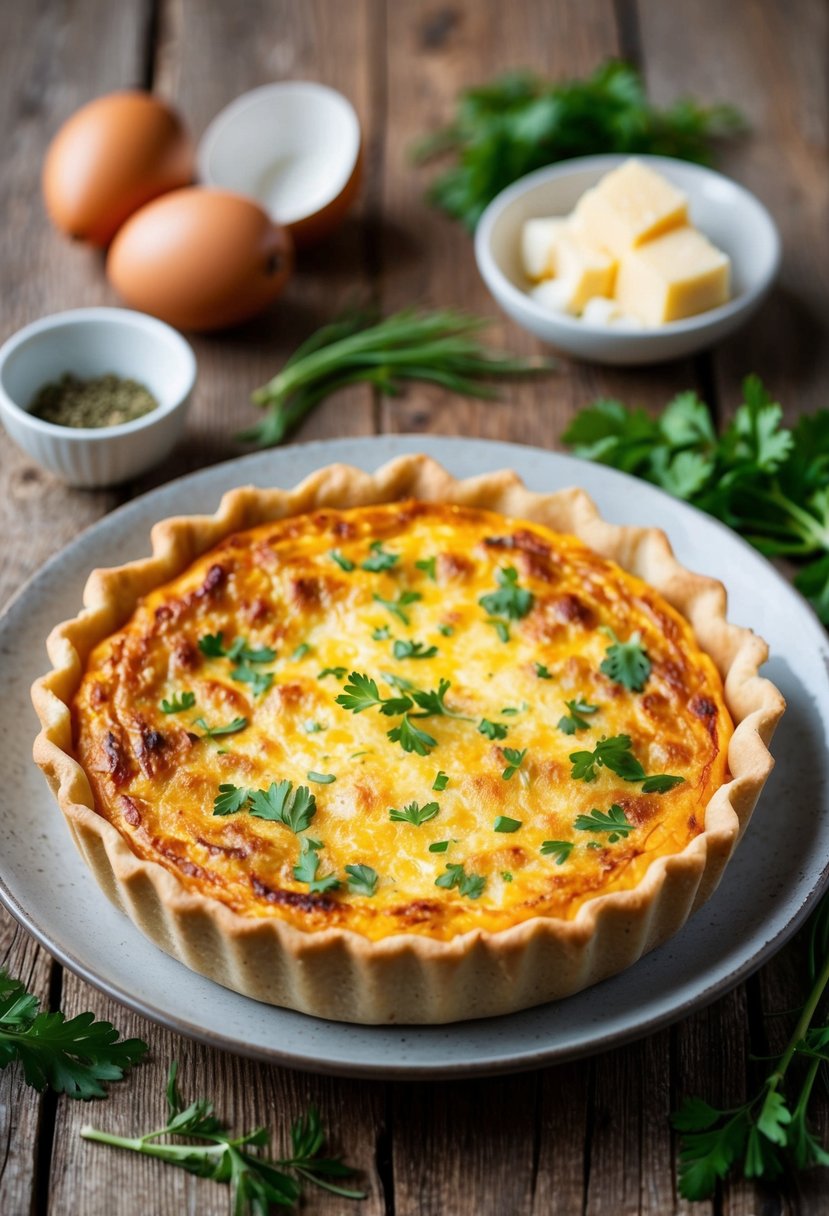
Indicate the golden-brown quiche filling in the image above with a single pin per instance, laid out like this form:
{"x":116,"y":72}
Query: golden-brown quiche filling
{"x":410,"y":717}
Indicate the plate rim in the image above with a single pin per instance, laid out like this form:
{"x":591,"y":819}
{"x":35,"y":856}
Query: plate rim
{"x":526,"y":1059}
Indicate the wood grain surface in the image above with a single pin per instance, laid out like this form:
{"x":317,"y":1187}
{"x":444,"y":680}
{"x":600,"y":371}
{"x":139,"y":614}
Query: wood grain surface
{"x":590,"y":1138}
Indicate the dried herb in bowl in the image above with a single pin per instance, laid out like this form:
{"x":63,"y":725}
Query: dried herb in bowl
{"x":101,"y":401}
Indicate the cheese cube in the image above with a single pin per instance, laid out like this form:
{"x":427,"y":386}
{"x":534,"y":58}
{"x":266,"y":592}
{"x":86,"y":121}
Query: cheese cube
{"x":676,"y":275}
{"x":538,"y":247}
{"x":588,"y":271}
{"x":632,"y":204}
{"x":601,"y":311}
{"x":552,"y":294}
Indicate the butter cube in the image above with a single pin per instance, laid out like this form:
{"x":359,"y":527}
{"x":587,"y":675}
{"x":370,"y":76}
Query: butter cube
{"x":630,"y":205}
{"x":539,"y":238}
{"x":676,"y":275}
{"x":588,"y":271}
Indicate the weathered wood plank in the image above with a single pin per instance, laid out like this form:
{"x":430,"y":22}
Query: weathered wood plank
{"x":21,"y":1109}
{"x":770,"y":61}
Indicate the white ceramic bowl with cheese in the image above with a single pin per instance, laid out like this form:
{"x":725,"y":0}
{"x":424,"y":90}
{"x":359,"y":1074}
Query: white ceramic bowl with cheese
{"x":732,"y":218}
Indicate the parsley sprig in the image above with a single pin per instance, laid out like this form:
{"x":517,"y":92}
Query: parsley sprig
{"x":511,"y":601}
{"x":520,"y":122}
{"x":73,"y":1056}
{"x":575,"y":720}
{"x":615,"y":753}
{"x":471,"y":886}
{"x":398,"y":607}
{"x":178,"y":703}
{"x":414,"y":813}
{"x":213,"y":732}
{"x":194,"y":1139}
{"x":614,"y":821}
{"x":279,"y":803}
{"x":361,"y":693}
{"x":212,"y":645}
{"x":307,"y":867}
{"x":768,"y":482}
{"x":626,"y":663}
{"x":770,"y":1131}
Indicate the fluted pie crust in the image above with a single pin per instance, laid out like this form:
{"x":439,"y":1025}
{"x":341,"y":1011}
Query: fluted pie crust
{"x":372,"y":959}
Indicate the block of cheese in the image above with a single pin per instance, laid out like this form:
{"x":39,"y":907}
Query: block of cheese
{"x":586,"y":270}
{"x":630,"y":205}
{"x":678,"y":274}
{"x":552,"y":294}
{"x":539,"y":238}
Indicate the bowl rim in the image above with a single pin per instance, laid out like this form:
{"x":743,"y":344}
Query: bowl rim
{"x":86,"y":318}
{"x":217,"y":128}
{"x":500,"y":285}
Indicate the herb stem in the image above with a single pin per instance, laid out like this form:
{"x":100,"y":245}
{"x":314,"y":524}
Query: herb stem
{"x":803,"y":1024}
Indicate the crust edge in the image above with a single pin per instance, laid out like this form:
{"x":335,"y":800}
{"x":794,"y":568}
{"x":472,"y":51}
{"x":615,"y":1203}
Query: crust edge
{"x":337,"y":973}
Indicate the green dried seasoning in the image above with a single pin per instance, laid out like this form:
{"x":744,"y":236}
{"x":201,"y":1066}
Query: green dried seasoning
{"x":102,"y":401}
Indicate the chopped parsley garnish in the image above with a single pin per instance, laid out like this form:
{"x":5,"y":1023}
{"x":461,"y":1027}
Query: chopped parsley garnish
{"x":428,"y":566}
{"x":398,"y":607}
{"x":615,"y":753}
{"x":361,"y":692}
{"x":381,"y":633}
{"x":543,"y":672}
{"x":614,"y":821}
{"x":413,"y":650}
{"x":302,"y":649}
{"x":311,"y":727}
{"x":501,"y":628}
{"x":441,"y":781}
{"x":380,"y":559}
{"x":470,"y":885}
{"x":439,"y":846}
{"x":626,"y":663}
{"x":212,"y":645}
{"x":178,"y":703}
{"x":413,"y":813}
{"x":306,"y":868}
{"x":503,"y":823}
{"x":230,"y":799}
{"x":432,"y":702}
{"x":345,"y":563}
{"x":506,"y":876}
{"x":320,"y":778}
{"x":411,"y":739}
{"x":260,"y":681}
{"x":336,"y":672}
{"x":574,"y":720}
{"x":362,"y":880}
{"x":510,"y":601}
{"x":446,"y":630}
{"x":230,"y":728}
{"x":281,"y":803}
{"x":511,"y":711}
{"x":560,"y":849}
{"x":492,"y":730}
{"x":514,"y":760}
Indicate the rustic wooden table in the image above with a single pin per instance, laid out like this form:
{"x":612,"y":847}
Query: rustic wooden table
{"x":587,"y":1137}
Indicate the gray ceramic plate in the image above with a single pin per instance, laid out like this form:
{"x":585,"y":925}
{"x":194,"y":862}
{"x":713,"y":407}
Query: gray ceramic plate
{"x":770,"y":885}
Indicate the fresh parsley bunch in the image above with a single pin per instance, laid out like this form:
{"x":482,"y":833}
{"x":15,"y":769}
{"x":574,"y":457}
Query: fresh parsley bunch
{"x":72,"y":1056}
{"x":768,"y":482}
{"x":519,"y":123}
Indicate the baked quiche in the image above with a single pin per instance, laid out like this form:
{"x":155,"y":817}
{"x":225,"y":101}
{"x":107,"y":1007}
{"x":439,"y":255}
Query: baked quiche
{"x":402,"y":748}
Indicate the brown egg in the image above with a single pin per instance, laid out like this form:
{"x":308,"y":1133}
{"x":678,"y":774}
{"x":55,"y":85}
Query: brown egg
{"x":200,"y":259}
{"x":111,"y":157}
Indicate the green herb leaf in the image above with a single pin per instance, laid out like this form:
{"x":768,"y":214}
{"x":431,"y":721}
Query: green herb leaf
{"x":660,"y":784}
{"x":560,"y":849}
{"x":614,"y":821}
{"x":260,"y":681}
{"x":413,"y":650}
{"x":178,"y":703}
{"x":381,"y":634}
{"x":362,"y":880}
{"x":446,"y":630}
{"x":626,"y":663}
{"x":73,"y":1056}
{"x":380,"y":559}
{"x":492,"y":730}
{"x":470,"y":886}
{"x":302,"y":649}
{"x":500,"y":627}
{"x":428,"y":566}
{"x":398,"y":607}
{"x":311,"y":727}
{"x":441,"y":781}
{"x":230,"y":728}
{"x":414,"y":814}
{"x":542,"y":672}
{"x":439,"y":846}
{"x":212,"y":646}
{"x":511,"y":601}
{"x":336,"y":672}
{"x":503,"y":823}
{"x":281,"y":803}
{"x":574,"y":720}
{"x":345,"y":563}
{"x":613,"y":753}
{"x":361,"y":693}
{"x":230,"y":799}
{"x":308,"y":864}
{"x":321,"y":778}
{"x":514,"y":760}
{"x":411,"y":739}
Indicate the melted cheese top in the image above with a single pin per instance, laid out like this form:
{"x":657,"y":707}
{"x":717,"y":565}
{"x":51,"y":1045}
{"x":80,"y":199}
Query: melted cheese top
{"x":335,"y":592}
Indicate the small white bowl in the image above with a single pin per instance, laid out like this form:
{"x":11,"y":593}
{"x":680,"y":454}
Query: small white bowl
{"x":726,"y":213}
{"x":292,"y":146}
{"x":91,"y":342}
